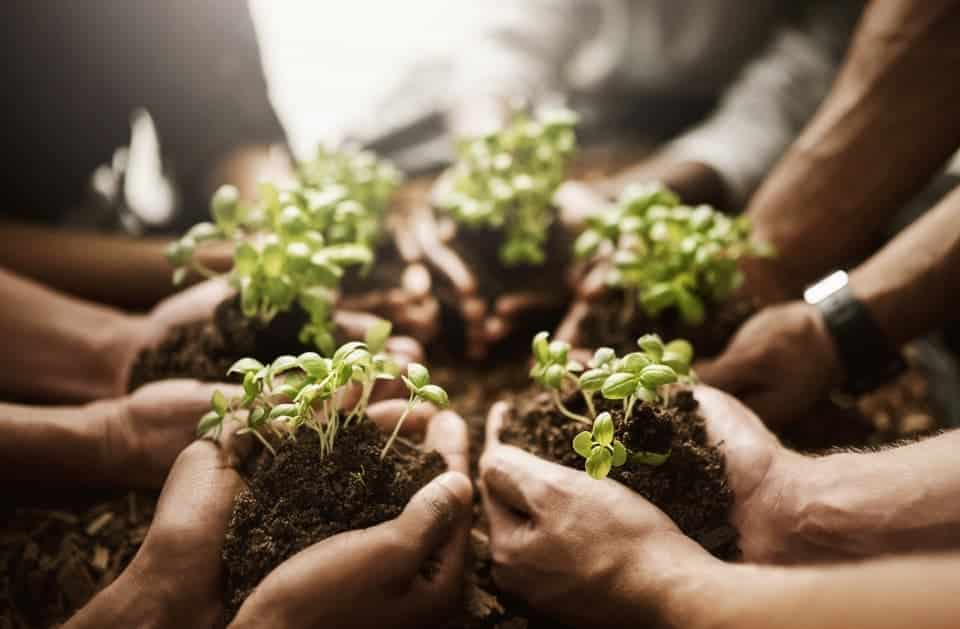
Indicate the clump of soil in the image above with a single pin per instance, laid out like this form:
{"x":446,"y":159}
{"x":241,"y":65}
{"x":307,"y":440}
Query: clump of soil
{"x":604,"y":325}
{"x":296,"y":499}
{"x":691,"y":487}
{"x":205,"y":349}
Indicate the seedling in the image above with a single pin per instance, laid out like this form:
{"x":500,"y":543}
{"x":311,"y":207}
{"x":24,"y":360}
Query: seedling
{"x":294,"y":245}
{"x":668,"y":255}
{"x":506,"y":180}
{"x":308,"y":391}
{"x":637,"y":376}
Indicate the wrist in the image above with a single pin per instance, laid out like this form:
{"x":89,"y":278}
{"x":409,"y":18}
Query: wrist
{"x":125,"y":603}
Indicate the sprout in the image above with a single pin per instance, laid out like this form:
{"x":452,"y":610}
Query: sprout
{"x":637,"y":376}
{"x":307,"y":391}
{"x":668,"y":255}
{"x":506,"y":180}
{"x":294,"y":245}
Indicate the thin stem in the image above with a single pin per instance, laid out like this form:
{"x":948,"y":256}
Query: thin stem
{"x":628,"y":406}
{"x":566,"y":411}
{"x":588,"y":398}
{"x":396,"y":429}
{"x":204,"y":270}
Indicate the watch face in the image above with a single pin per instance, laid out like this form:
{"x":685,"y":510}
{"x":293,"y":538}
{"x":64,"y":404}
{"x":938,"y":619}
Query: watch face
{"x":826,"y":287}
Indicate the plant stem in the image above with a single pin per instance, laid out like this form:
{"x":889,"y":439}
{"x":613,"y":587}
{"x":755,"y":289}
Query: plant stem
{"x":396,"y":429}
{"x":588,"y":398}
{"x":628,"y":406}
{"x":566,"y":411}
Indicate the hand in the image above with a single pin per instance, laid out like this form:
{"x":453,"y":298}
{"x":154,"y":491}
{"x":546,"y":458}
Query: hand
{"x":592,"y":552}
{"x":779,"y":363}
{"x":175,"y":578}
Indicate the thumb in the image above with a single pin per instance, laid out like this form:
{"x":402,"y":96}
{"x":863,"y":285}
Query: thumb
{"x":434,"y":511}
{"x":723,"y":372}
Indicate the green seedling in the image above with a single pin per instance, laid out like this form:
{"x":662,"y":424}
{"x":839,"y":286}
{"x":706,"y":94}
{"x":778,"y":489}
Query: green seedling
{"x":635,"y":377}
{"x":294,"y":245}
{"x":307,"y":391}
{"x":505,"y":180}
{"x":664,"y":254}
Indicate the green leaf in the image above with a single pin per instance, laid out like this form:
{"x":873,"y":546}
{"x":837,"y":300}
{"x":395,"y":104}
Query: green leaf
{"x":652,"y":345}
{"x":654,"y":376}
{"x":592,"y":380}
{"x":209,"y":422}
{"x":218,"y":401}
{"x":224,"y":206}
{"x":582,"y":444}
{"x":541,"y":347}
{"x":602,"y":356}
{"x":650,"y":458}
{"x":433,"y":393}
{"x":273,"y":259}
{"x":179,"y":275}
{"x":682,"y":348}
{"x":377,"y":335}
{"x":587,"y":244}
{"x":345,"y":349}
{"x":619,"y":453}
{"x":418,"y":375}
{"x":603,"y":429}
{"x":280,"y":410}
{"x":634,"y":362}
{"x":245,"y":258}
{"x":690,"y":306}
{"x":619,"y":386}
{"x":599,"y":464}
{"x":558,"y":351}
{"x":257,"y":417}
{"x":244,"y":365}
{"x":349,"y":254}
{"x":314,"y":364}
{"x":553,"y":376}
{"x":203,"y":231}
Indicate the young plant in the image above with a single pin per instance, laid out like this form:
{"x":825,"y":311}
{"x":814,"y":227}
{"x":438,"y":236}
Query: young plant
{"x":307,"y":391}
{"x":637,"y":376}
{"x":668,"y":255}
{"x":294,"y":245}
{"x":506,"y":180}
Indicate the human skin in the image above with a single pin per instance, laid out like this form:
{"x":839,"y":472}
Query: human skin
{"x":551,"y":546}
{"x":363,"y":578}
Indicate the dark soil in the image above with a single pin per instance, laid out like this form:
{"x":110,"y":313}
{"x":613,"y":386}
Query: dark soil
{"x":691,"y":487}
{"x":205,"y":349}
{"x":604,"y":325}
{"x":297,"y":499}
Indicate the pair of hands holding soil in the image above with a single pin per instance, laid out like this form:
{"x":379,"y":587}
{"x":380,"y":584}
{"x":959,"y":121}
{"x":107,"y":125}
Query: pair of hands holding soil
{"x":399,"y":573}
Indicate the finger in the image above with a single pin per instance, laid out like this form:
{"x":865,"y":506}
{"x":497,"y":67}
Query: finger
{"x":513,"y":304}
{"x":728,"y":372}
{"x":473,"y":309}
{"x":406,"y":242}
{"x":433,"y":513}
{"x":193,"y":304}
{"x":447,"y":434}
{"x":512,"y":477}
{"x":729,"y":420}
{"x":386,"y":413}
{"x":495,"y":329}
{"x":772,"y":409}
{"x":594,"y":284}
{"x":404,"y":348}
{"x":496,"y":418}
{"x":578,"y":202}
{"x":439,"y":255}
{"x":353,"y":324}
{"x":363,"y":302}
{"x":569,"y":328}
{"x":416,"y":281}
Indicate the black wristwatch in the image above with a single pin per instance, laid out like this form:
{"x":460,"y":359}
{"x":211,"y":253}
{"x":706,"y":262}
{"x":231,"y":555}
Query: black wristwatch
{"x":863,"y":348}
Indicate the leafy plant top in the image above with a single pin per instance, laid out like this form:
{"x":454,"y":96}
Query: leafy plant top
{"x":668,"y":255}
{"x":506,"y":180}
{"x":637,"y":376}
{"x":308,"y":391}
{"x":294,"y":245}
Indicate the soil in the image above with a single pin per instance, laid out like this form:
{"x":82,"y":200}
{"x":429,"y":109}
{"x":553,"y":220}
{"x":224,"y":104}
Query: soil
{"x":604,"y":325}
{"x":295,"y":499}
{"x":205,"y":349}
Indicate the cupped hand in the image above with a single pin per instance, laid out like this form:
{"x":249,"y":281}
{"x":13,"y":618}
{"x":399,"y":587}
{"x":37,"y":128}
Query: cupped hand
{"x":592,"y":552}
{"x":780,"y":363}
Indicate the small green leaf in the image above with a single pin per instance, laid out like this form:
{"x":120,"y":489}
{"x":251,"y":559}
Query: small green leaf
{"x":219,"y":402}
{"x":634,"y":362}
{"x":244,"y":365}
{"x":209,"y":422}
{"x":436,"y":395}
{"x":179,"y":275}
{"x":592,"y":380}
{"x":418,"y":375}
{"x":279,"y":410}
{"x":273,"y":258}
{"x":654,"y":376}
{"x":257,"y":417}
{"x":558,"y":351}
{"x":619,"y":386}
{"x":553,"y":376}
{"x":649,"y":458}
{"x":314,"y":364}
{"x":245,"y":258}
{"x":602,"y":356}
{"x":587,"y":244}
{"x":603,"y":429}
{"x":541,"y":347}
{"x":652,"y":345}
{"x":619,"y":453}
{"x":599,"y":464}
{"x":377,"y":335}
{"x":582,"y":444}
{"x":349,"y":254}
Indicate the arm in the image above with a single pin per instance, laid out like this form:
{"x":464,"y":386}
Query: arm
{"x":727,"y":155}
{"x":61,"y":347}
{"x":886,"y":127}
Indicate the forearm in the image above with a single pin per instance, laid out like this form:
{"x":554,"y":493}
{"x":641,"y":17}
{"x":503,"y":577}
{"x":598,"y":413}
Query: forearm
{"x":125,"y":604}
{"x":901,"y":592}
{"x":112,"y":269}
{"x":904,"y":499}
{"x":53,"y":445}
{"x":60,"y":347}
{"x":908,"y":286}
{"x":827,"y":199}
